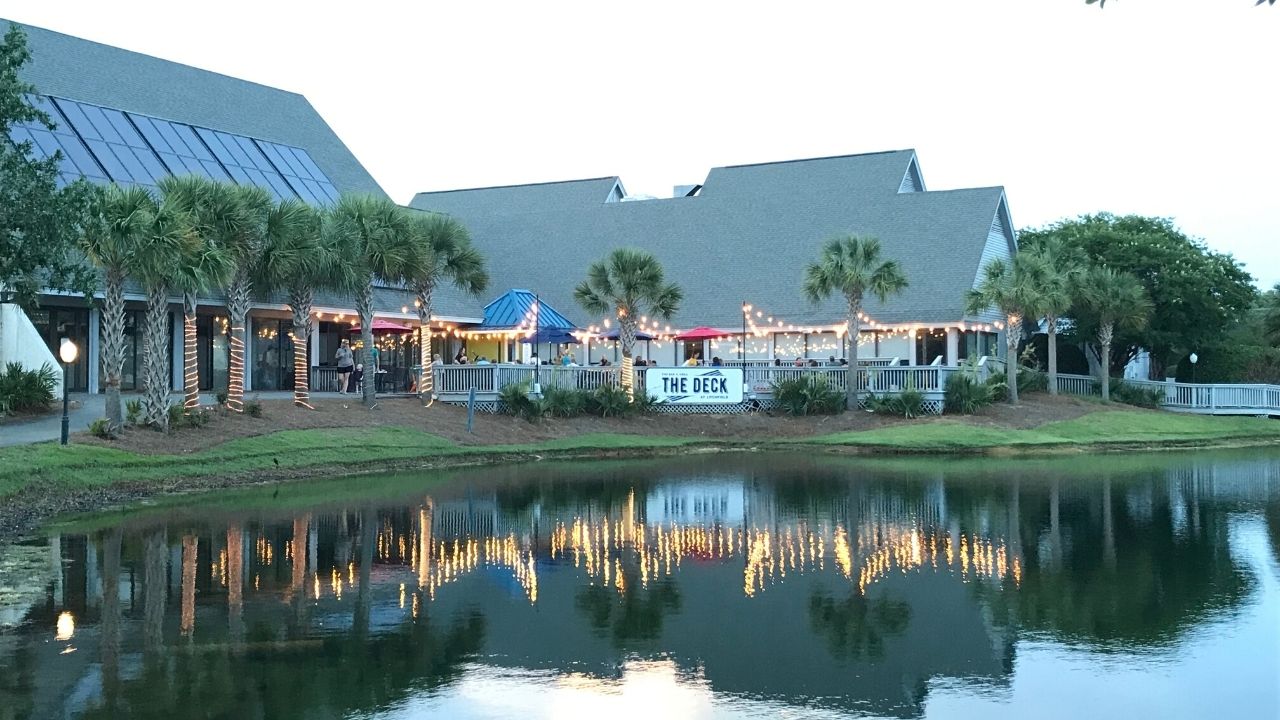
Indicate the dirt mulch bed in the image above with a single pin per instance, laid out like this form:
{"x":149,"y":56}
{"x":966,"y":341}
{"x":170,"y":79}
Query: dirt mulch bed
{"x":449,"y":421}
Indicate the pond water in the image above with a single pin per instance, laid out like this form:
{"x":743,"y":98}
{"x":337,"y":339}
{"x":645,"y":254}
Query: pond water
{"x":738,"y":585}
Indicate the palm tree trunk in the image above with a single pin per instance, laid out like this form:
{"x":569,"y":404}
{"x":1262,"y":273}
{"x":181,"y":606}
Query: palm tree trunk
{"x":300,"y":301}
{"x":109,"y":625}
{"x":1052,"y":322}
{"x":1013,"y":331}
{"x":426,"y":376}
{"x":190,"y":369}
{"x":627,"y":338}
{"x":155,"y":591}
{"x":364,"y":306}
{"x":852,"y":376}
{"x":113,"y":345}
{"x":238,"y":309}
{"x":1105,"y":333}
{"x":155,"y":383}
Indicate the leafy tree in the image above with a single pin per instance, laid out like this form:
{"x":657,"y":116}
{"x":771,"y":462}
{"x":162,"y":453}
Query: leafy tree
{"x":1197,"y":295}
{"x":1013,"y":288}
{"x":216,"y":216}
{"x":1114,"y":300}
{"x":299,"y":259}
{"x":445,"y":254}
{"x":377,"y":238}
{"x":1056,"y":272}
{"x":40,"y":223}
{"x":852,"y":266}
{"x":1271,"y":322}
{"x":245,"y":243}
{"x":125,"y":217}
{"x":628,"y":284}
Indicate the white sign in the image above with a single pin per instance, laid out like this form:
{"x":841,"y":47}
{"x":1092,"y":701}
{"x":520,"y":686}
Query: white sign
{"x":694,"y":385}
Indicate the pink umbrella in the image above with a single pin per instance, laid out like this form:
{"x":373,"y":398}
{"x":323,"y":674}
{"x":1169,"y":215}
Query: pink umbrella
{"x":380,"y":325}
{"x":703,"y":333}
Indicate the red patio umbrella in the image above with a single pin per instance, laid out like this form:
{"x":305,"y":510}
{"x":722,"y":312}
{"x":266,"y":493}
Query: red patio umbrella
{"x":380,"y":325}
{"x":703,"y":333}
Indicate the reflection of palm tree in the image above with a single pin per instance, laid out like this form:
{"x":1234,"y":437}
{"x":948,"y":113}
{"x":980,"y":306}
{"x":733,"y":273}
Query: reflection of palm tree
{"x":637,"y":614}
{"x":111,"y":619}
{"x":155,"y":588}
{"x":857,"y":625}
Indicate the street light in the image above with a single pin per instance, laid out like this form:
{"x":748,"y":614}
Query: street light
{"x":1194,"y":359}
{"x":68,"y":352}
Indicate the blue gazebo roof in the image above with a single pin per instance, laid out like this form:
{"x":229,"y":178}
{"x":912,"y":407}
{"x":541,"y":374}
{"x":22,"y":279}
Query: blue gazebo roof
{"x":509,"y":310}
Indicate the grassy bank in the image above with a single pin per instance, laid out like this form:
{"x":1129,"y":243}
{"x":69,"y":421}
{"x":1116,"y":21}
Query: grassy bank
{"x":48,"y":468}
{"x":1096,"y":430}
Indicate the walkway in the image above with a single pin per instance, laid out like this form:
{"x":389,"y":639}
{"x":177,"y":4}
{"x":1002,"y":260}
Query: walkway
{"x":91,"y":407}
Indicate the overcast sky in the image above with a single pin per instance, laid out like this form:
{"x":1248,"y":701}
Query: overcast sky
{"x":1159,"y":107}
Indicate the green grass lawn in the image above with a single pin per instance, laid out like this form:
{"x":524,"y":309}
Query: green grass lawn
{"x":1100,"y":428}
{"x":88,"y":466}
{"x":77,"y":467}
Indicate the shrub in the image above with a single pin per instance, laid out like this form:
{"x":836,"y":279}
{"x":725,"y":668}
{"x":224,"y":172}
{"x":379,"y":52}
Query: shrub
{"x":1032,"y":380}
{"x":964,"y":394}
{"x":101,"y":428}
{"x":563,"y":402}
{"x":610,"y":401}
{"x":1137,"y":395}
{"x":909,"y":403}
{"x":23,"y":390}
{"x":515,"y":399}
{"x":253,"y":408}
{"x":133,"y":411}
{"x":175,"y":415}
{"x":221,"y":397}
{"x":998,"y":387}
{"x":809,"y":394}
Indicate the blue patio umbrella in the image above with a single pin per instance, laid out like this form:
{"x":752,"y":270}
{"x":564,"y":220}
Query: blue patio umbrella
{"x":640,"y":335}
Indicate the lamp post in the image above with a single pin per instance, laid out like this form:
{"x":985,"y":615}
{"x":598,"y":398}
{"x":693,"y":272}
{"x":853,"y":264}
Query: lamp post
{"x":1194,"y":359}
{"x":743,"y":355}
{"x":67,"y":352}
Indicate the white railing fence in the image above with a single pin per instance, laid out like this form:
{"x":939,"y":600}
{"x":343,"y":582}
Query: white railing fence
{"x":1194,"y":397}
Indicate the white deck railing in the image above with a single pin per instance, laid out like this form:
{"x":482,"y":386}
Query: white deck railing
{"x":1214,"y":399}
{"x":489,"y":379}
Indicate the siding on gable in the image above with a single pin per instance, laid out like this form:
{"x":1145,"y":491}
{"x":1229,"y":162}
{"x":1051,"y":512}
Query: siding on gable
{"x":996,"y":247}
{"x":911,"y":180}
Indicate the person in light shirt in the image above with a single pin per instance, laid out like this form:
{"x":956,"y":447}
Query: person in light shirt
{"x":693,"y":361}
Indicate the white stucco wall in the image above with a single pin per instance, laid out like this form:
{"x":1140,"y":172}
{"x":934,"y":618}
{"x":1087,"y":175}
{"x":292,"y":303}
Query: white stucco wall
{"x":20,"y":343}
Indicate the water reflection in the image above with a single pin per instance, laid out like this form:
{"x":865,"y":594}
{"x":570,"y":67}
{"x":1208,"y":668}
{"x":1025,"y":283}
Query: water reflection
{"x":729,"y":586}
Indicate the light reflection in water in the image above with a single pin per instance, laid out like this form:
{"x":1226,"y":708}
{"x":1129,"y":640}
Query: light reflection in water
{"x":707,"y":596}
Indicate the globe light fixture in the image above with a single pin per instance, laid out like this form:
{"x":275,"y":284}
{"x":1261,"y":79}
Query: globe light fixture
{"x":67,"y":352}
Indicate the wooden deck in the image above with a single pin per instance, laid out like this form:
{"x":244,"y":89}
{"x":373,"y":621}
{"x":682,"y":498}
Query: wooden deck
{"x":455,"y":382}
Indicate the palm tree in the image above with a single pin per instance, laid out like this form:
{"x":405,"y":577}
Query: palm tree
{"x":245,"y":244}
{"x":1057,"y":272}
{"x":1115,"y":300}
{"x":153,"y":264}
{"x":628,"y":284}
{"x":216,"y":217}
{"x":376,"y":237}
{"x":852,"y":266}
{"x":445,"y":254}
{"x":1012,"y":288}
{"x":122,"y":219}
{"x":299,"y":259}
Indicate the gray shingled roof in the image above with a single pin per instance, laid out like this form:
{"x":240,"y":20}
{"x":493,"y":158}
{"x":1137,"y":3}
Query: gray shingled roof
{"x":83,"y":70}
{"x":748,"y":236}
{"x":79,"y":69}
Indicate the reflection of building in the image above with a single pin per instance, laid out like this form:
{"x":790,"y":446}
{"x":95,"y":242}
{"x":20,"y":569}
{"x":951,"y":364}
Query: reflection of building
{"x":861,"y":590}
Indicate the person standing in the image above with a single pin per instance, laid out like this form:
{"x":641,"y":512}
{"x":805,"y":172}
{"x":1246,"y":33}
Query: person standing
{"x":344,"y":361}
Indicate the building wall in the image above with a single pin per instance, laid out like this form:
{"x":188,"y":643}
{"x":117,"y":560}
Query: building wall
{"x":20,"y":342}
{"x":996,"y":248}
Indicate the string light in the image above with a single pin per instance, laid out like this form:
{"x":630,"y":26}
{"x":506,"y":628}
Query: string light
{"x":190,"y":366}
{"x":235,"y":374}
